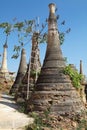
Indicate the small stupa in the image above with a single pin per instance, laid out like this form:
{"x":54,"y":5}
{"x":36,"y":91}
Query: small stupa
{"x":81,"y":71}
{"x":54,"y":90}
{"x":21,"y":72}
{"x":83,"y":83}
{"x":6,"y":77}
{"x":4,"y":68}
{"x":31,"y":75}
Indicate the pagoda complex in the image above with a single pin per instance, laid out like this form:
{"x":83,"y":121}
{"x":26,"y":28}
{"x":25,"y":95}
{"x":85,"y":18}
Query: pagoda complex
{"x":53,"y":89}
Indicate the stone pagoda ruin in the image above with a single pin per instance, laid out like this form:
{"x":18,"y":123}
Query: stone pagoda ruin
{"x":21,"y":72}
{"x":31,"y":75}
{"x":54,"y":90}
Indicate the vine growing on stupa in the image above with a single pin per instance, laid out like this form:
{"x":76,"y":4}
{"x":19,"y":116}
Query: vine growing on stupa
{"x":75,"y":77}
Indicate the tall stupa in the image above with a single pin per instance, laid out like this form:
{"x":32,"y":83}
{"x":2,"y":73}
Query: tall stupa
{"x":54,"y":90}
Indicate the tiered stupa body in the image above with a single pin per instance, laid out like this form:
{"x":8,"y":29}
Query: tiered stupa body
{"x":54,"y":90}
{"x":31,"y":75}
{"x":21,"y":72}
{"x":4,"y":68}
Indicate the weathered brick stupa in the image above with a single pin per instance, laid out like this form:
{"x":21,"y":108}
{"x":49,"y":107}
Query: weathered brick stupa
{"x":54,"y":90}
{"x":31,"y":75}
{"x":21,"y":72}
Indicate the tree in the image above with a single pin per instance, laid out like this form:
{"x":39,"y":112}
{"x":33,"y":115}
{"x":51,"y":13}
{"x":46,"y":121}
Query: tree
{"x":25,"y":30}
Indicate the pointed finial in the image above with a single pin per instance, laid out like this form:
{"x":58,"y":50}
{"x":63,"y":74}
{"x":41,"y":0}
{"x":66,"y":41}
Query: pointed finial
{"x":23,"y":51}
{"x":52,"y":8}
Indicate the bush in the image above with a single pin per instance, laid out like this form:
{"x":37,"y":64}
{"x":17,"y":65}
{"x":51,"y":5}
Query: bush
{"x":75,"y":77}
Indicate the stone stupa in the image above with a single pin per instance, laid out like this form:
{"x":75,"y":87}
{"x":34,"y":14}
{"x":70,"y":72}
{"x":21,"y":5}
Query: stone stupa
{"x":81,"y":71}
{"x":30,"y":77}
{"x":6,"y":77}
{"x":4,"y":68}
{"x":21,"y":72}
{"x":54,"y":90}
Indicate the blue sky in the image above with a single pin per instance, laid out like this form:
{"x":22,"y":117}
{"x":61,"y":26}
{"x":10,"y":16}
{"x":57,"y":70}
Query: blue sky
{"x":74,"y":12}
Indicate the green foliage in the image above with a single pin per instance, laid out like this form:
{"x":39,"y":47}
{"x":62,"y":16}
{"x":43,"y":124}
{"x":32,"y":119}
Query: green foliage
{"x":65,"y":59}
{"x":19,"y":25}
{"x":16,"y":52}
{"x":22,"y":107}
{"x":62,"y":34}
{"x":42,"y":38}
{"x":33,"y":73}
{"x":82,"y":125}
{"x":74,"y":76}
{"x":4,"y":24}
{"x":45,"y":120}
{"x":24,"y":26}
{"x":7,"y":27}
{"x":15,"y":56}
{"x":40,"y":121}
{"x":37,"y":122}
{"x":61,"y":37}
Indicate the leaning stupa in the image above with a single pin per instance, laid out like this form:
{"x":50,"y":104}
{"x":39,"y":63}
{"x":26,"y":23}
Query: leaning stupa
{"x":31,"y":75}
{"x":21,"y":72}
{"x":53,"y":89}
